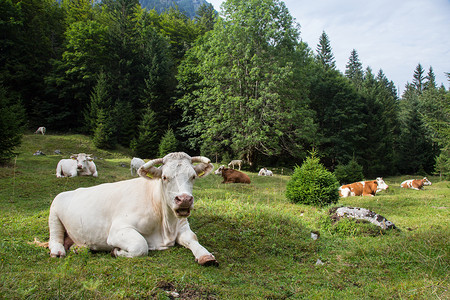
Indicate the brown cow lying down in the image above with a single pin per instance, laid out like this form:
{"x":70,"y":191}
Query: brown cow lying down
{"x":232,"y":176}
{"x":363,"y":188}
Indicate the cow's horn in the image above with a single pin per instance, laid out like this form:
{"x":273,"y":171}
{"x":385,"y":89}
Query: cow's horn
{"x":147,"y":165}
{"x":201,"y":159}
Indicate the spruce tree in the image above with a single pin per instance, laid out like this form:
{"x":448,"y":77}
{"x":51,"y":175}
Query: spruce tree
{"x":168,"y":143}
{"x":324,"y":52}
{"x":354,"y":70}
{"x":12,"y":123}
{"x":145,"y":144}
{"x":431,"y":80}
{"x":419,"y":78}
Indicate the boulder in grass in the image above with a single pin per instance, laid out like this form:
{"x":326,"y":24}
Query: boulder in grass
{"x":364,"y":214}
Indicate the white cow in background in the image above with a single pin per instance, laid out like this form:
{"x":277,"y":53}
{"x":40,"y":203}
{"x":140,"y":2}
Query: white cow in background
{"x":135,"y":164}
{"x":236,"y":162}
{"x":265,"y":172}
{"x":133,"y":216}
{"x":78,"y":165}
{"x":40,"y":130}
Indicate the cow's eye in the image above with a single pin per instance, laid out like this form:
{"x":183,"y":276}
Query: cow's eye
{"x":164,"y":178}
{"x":194,"y":176}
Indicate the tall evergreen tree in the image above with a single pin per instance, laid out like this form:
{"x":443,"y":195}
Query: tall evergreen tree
{"x":12,"y":123}
{"x":416,"y":150}
{"x":339,"y":115}
{"x":354,"y":70}
{"x":324,"y":52}
{"x":206,"y":17}
{"x":147,"y":139}
{"x":419,"y":78}
{"x":431,"y":80}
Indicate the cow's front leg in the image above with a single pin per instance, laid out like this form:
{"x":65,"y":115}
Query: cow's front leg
{"x":127,"y":242}
{"x":187,"y":238}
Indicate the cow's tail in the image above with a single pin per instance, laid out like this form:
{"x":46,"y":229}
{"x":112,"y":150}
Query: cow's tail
{"x":38,"y":243}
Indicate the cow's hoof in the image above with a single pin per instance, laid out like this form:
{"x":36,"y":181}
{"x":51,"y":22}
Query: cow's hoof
{"x":59,"y":254}
{"x":208,"y":260}
{"x":114,"y":252}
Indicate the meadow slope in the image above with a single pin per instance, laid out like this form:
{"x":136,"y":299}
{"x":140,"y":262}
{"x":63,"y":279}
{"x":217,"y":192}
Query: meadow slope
{"x":261,"y":240}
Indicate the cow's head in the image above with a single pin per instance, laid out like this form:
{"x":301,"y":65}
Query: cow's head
{"x":381,"y":184}
{"x":82,"y":160}
{"x":426,"y":181}
{"x":219,"y":170}
{"x":177,"y":174}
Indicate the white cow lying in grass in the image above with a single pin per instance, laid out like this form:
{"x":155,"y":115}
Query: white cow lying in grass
{"x":78,"y":165}
{"x":135,"y":164}
{"x":132,"y":217}
{"x":265,"y":172}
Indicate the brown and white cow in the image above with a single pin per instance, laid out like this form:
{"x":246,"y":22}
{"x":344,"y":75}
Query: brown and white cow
{"x":363,"y":188}
{"x":415,"y":183}
{"x":133,"y":216}
{"x":232,"y":176}
{"x":80,"y":164}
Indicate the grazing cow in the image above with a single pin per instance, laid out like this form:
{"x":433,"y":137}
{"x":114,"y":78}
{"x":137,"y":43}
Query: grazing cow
{"x":232,"y":176}
{"x":415,"y":183}
{"x":265,"y":172}
{"x":78,"y":165}
{"x":236,"y":162}
{"x":135,"y":164}
{"x":363,"y":188}
{"x":133,"y":216}
{"x":40,"y":130}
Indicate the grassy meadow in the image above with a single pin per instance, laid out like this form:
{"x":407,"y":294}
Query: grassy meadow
{"x":262,"y":241}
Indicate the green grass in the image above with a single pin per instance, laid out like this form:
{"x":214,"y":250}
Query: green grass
{"x":261,"y":240}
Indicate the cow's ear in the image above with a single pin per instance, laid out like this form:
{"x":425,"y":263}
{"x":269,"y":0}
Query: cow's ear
{"x":73,"y":157}
{"x":203,"y":169}
{"x":150,"y":173}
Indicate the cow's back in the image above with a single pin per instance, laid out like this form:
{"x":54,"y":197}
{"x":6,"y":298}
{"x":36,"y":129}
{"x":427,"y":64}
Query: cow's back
{"x":356,"y":189}
{"x":88,"y":213}
{"x":233,"y":176}
{"x":370,"y":188}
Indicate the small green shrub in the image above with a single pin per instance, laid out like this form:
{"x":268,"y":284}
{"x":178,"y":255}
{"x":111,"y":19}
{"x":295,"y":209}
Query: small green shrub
{"x":312,"y":184}
{"x":349,"y":173}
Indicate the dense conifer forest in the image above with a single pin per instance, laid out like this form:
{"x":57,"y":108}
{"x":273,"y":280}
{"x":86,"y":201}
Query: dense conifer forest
{"x":238,"y":85}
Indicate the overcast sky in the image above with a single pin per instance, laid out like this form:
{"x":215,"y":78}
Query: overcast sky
{"x":392,"y":35}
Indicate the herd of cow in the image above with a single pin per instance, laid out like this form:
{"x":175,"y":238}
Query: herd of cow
{"x":131,"y":217}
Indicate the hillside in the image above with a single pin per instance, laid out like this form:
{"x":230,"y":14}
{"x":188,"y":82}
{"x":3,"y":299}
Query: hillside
{"x":189,"y":7}
{"x":262,"y":241}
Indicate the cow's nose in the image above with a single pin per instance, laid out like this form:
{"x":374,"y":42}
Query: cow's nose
{"x":184,"y":200}
{"x":79,"y":166}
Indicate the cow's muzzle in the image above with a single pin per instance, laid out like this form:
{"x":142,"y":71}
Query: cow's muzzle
{"x":183,"y":205}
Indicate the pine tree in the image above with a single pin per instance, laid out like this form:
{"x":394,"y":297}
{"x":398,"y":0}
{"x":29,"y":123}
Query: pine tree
{"x":12,"y":123}
{"x":431,"y":80}
{"x":419,"y":78}
{"x":99,"y":98}
{"x":145,"y":144}
{"x":354,"y":70}
{"x":104,"y":132}
{"x":168,"y":143}
{"x":324,"y":52}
